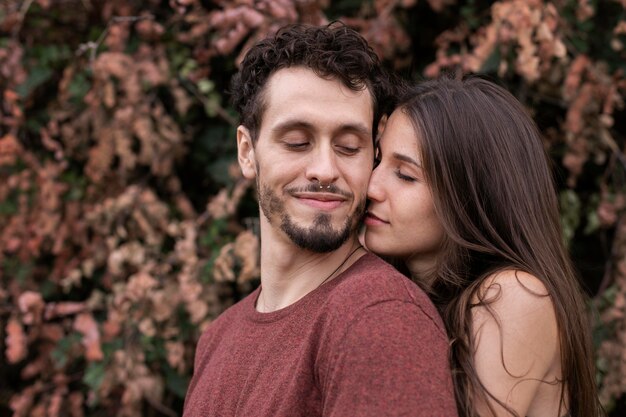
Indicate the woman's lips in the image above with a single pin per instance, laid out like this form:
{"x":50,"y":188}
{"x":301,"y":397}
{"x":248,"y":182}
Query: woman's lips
{"x":372,"y":220}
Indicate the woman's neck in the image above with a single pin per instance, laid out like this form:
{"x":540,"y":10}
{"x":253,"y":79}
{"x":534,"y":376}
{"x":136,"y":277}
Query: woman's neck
{"x":422,"y":269}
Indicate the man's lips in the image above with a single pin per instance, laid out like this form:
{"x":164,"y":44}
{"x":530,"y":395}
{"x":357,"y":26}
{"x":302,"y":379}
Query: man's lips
{"x":372,"y":220}
{"x":320,"y":200}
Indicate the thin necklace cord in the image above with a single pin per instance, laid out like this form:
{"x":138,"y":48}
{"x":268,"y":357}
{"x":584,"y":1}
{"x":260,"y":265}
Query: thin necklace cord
{"x":325,"y":279}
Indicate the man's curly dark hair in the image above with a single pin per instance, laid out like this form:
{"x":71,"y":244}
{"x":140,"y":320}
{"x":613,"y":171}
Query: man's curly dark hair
{"x":333,"y":51}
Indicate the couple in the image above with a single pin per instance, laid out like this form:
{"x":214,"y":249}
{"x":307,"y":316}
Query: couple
{"x":457,"y":192}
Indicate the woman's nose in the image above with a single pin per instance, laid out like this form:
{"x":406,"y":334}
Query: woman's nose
{"x":375,"y":189}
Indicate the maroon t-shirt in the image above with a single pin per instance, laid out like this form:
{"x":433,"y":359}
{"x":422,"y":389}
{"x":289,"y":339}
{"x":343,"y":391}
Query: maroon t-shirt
{"x":367,"y":343}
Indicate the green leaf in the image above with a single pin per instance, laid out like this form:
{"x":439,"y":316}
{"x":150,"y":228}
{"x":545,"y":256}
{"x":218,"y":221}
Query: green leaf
{"x":9,"y":205}
{"x":215,"y":234}
{"x":153,"y":348}
{"x":109,"y":348}
{"x":50,"y":55}
{"x":219,"y":169}
{"x":60,"y":354}
{"x":470,"y":15}
{"x":492,"y":63}
{"x":206,"y":86}
{"x":17,"y":270}
{"x":593,"y":222}
{"x":94,"y":375}
{"x":77,"y":185}
{"x":37,"y":76}
{"x":212,"y":104}
{"x":570,"y":214}
{"x":79,"y":86}
{"x":175,"y":382}
{"x":189,"y":66}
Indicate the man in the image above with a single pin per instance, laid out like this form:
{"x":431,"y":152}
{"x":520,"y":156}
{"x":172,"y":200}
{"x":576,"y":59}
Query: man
{"x":332,"y":330}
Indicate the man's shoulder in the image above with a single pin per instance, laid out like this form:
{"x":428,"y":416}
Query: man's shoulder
{"x":371,"y":281}
{"x":232,"y":314}
{"x":374,"y":280}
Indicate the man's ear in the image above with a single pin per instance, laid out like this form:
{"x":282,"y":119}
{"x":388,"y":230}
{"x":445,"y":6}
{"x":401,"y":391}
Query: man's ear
{"x":245,"y":152}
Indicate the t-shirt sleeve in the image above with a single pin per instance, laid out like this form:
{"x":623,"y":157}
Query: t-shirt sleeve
{"x":392,"y":360}
{"x":197,"y":374}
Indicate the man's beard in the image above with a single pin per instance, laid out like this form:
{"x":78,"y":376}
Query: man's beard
{"x":320,"y":237}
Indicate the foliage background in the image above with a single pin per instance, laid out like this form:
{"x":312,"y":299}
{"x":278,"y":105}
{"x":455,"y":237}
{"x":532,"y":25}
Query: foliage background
{"x":125,"y":227}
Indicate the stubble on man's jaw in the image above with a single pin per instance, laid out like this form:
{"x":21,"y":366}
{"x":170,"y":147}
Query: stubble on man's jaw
{"x":320,"y":237}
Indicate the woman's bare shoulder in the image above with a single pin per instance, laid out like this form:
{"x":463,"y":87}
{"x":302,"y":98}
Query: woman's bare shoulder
{"x":516,"y":336}
{"x":512,"y":283}
{"x":520,"y":304}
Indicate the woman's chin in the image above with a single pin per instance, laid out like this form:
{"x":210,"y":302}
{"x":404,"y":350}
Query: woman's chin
{"x":380,"y":247}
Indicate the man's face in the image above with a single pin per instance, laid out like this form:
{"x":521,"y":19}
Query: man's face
{"x":315,"y":133}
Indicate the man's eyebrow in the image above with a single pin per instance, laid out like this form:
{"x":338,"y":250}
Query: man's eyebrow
{"x":359,"y":129}
{"x":406,"y":158}
{"x":288,"y":125}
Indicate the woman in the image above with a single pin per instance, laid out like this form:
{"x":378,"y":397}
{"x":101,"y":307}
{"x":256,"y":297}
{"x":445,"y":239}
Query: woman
{"x":463,"y":197}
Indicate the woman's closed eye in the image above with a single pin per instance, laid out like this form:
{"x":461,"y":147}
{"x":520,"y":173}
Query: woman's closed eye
{"x":404,"y":177}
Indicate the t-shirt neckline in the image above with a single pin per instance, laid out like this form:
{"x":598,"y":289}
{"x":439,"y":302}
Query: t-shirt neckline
{"x":319,"y":292}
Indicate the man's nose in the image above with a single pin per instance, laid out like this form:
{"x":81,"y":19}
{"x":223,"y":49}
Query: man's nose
{"x":322,"y":166}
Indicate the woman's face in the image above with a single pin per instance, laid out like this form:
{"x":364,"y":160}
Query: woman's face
{"x":401,"y":220}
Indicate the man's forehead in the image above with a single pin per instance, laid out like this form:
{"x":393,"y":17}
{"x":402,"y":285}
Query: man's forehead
{"x":301,"y":78}
{"x":300,"y":91}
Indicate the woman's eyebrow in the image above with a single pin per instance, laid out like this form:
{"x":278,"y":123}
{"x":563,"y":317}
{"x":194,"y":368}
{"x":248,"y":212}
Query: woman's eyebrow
{"x":406,"y":158}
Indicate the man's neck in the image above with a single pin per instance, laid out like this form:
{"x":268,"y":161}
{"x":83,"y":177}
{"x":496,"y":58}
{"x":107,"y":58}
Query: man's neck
{"x":288,"y":272}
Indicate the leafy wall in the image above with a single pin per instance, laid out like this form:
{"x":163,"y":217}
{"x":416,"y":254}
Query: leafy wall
{"x":125,"y":226}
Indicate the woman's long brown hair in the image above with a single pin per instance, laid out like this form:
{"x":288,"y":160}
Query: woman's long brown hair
{"x":494,"y":193}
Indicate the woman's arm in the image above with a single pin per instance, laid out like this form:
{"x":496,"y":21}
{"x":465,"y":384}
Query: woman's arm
{"x":516,"y":340}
